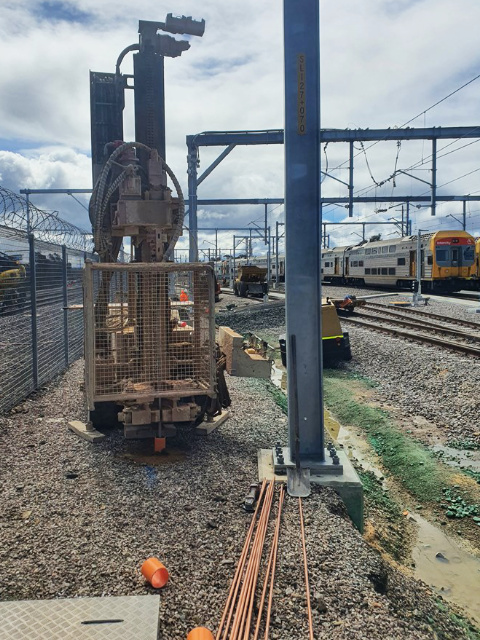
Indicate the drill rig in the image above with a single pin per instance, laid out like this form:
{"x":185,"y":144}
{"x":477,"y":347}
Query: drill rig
{"x":151,"y":361}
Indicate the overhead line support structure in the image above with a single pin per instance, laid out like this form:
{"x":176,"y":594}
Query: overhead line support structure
{"x":230,"y":139}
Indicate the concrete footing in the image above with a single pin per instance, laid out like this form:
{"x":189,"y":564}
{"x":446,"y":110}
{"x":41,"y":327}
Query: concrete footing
{"x":347,"y":484}
{"x":207,"y":427}
{"x":85,"y":431}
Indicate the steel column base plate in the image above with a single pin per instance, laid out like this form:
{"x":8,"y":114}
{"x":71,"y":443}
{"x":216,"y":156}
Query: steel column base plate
{"x":283,"y":460}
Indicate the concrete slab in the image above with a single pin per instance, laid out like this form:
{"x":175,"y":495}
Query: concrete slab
{"x":207,"y":427}
{"x":85,"y":431}
{"x":122,"y":618}
{"x":238,"y":361}
{"x":348,"y":484}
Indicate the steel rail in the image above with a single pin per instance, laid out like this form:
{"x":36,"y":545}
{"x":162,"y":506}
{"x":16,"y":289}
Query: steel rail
{"x":436,"y":316}
{"x":305,"y":566}
{"x":398,"y":318}
{"x":453,"y":346}
{"x":270,"y":572}
{"x":232,"y":595}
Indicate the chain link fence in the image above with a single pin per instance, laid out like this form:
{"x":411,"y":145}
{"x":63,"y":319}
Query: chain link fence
{"x":41,"y":297}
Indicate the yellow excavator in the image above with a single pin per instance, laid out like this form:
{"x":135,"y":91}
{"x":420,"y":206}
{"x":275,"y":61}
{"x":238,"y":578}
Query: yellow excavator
{"x":12,"y":284}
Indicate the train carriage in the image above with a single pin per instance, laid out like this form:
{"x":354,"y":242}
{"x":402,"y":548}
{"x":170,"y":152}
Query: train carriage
{"x":447,"y":262}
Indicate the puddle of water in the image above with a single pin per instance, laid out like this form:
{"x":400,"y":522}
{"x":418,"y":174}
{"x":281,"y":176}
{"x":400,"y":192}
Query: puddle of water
{"x":455,"y":573}
{"x":455,"y":576}
{"x":354,"y":446}
{"x":458,"y":458}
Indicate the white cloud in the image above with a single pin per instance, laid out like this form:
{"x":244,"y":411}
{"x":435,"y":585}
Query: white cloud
{"x":382,"y":63}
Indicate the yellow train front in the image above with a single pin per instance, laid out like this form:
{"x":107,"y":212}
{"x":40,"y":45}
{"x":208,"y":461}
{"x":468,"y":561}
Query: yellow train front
{"x":447,"y":260}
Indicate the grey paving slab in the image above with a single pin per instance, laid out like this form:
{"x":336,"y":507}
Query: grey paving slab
{"x":124,"y":617}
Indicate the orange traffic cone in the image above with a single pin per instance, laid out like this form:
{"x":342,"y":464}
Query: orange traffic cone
{"x":183,"y":296}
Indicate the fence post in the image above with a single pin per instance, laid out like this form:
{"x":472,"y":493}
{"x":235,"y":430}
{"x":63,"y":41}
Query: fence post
{"x":33,"y":308}
{"x":65,"y":303}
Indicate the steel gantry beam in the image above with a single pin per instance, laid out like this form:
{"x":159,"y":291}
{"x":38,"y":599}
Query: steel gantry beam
{"x":230,"y":139}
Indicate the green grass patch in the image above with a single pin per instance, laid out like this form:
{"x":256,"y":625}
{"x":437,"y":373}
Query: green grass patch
{"x":472,"y":632}
{"x":464,"y":445}
{"x":401,"y":455}
{"x":376,"y":496}
{"x":278,"y":395}
{"x":408,"y":460}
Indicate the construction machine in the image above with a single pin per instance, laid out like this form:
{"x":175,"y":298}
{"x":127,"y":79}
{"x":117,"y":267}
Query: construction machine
{"x":12,"y":284}
{"x":251,"y":280}
{"x":151,"y":358}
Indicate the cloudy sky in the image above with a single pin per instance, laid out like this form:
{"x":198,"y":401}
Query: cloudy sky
{"x":383,"y":62}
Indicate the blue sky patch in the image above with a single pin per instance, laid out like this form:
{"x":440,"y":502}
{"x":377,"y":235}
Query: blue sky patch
{"x":56,"y":11}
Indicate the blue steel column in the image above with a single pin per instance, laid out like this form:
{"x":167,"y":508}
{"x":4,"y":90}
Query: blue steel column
{"x":192,"y":202}
{"x":65,"y":303}
{"x":303,"y":226}
{"x":434,"y":176}
{"x":33,"y":308}
{"x":350,"y":183}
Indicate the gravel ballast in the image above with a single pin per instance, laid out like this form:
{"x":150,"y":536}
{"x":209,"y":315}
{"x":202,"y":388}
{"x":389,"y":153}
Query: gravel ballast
{"x":420,"y":380}
{"x":79,"y":519}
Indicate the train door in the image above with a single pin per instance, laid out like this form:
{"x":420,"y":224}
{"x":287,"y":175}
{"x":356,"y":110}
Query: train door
{"x":413,"y":264}
{"x":337,"y":267}
{"x":455,"y":256}
{"x":347,"y":265}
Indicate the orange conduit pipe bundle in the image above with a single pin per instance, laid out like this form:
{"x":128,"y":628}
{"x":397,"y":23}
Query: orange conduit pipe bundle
{"x":237,"y":618}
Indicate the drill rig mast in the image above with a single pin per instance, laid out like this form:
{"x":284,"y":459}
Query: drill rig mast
{"x":150,"y":348}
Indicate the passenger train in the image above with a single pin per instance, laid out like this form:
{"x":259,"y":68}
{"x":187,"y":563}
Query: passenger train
{"x":447,"y":262}
{"x":450,"y":261}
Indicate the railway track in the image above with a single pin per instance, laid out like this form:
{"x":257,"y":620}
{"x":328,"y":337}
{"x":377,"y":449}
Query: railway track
{"x":473,"y":297}
{"x":396,"y":322}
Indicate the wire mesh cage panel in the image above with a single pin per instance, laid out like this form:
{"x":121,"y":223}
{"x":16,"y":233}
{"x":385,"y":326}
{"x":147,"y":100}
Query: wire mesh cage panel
{"x":149,"y":331}
{"x":16,"y":377}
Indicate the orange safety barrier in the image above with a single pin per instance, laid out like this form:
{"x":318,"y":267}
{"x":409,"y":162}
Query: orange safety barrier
{"x":155,"y":572}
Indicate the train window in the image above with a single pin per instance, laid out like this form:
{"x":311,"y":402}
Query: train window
{"x":429,"y":259}
{"x":401,"y":262}
{"x":360,"y":263}
{"x":442,"y":255}
{"x":368,"y":252}
{"x":374,"y":252}
{"x":374,"y":272}
{"x":384,"y":249}
{"x":367,"y":271}
{"x":391,"y":271}
{"x":468,"y":256}
{"x":392,"y":248}
{"x":384,"y":271}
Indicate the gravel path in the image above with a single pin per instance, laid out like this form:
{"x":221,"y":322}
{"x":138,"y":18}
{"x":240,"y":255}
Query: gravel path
{"x":420,"y":380}
{"x":88,"y":534}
